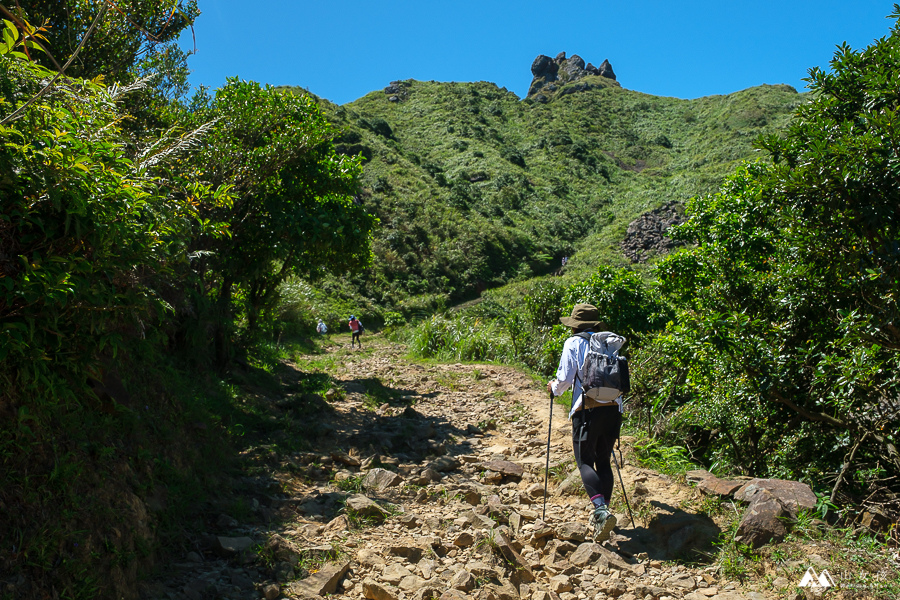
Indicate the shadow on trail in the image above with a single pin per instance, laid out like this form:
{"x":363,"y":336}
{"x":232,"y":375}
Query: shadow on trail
{"x":383,"y":420}
{"x":672,"y":534}
{"x":293,"y":441}
{"x":392,"y":435}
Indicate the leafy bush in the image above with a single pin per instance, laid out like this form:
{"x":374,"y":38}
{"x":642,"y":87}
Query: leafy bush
{"x":526,"y":330}
{"x":114,"y":254}
{"x":787,"y":301}
{"x":85,"y":238}
{"x":626,"y":304}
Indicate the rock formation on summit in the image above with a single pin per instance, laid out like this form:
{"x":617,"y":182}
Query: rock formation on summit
{"x":551,"y":73}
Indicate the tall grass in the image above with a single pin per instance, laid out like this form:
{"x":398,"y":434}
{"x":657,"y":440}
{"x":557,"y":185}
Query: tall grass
{"x":463,"y":339}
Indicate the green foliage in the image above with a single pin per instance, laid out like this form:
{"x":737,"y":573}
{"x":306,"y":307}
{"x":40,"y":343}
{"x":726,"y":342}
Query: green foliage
{"x":84,"y":238}
{"x":543,"y":306}
{"x":352,"y":484}
{"x":524,"y":327}
{"x":293,"y":212}
{"x":462,"y":338}
{"x":476,"y":188}
{"x":121,"y":39}
{"x":117,"y":250}
{"x":783,"y":357}
{"x":673,"y":460}
{"x":626,"y":304}
{"x":736,"y":560}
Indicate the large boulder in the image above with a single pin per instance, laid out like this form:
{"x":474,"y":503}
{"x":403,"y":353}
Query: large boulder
{"x":512,"y":556}
{"x":504,"y":467}
{"x":585,"y":554}
{"x":571,"y":486}
{"x":720,"y":487}
{"x":793,"y":495}
{"x":763,"y":521}
{"x":381,"y":479}
{"x":229,"y":547}
{"x":282,"y":550}
{"x":573,"y":67}
{"x":324,"y":581}
{"x":544,"y":67}
{"x":375,"y":591}
{"x":365,"y":507}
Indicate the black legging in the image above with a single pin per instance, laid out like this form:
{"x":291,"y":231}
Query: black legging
{"x":593,"y":444}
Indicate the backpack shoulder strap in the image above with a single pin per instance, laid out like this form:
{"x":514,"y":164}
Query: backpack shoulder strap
{"x":586,"y":336}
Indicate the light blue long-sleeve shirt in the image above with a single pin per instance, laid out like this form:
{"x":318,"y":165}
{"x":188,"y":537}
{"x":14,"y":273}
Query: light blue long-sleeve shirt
{"x":569,"y":367}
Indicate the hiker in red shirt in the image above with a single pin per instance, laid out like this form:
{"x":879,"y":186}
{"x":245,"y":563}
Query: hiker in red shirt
{"x":357,"y":328}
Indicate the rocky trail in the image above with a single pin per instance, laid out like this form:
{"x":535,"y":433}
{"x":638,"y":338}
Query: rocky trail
{"x":427,"y":481}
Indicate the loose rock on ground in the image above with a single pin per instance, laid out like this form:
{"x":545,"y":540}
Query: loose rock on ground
{"x":439,"y":493}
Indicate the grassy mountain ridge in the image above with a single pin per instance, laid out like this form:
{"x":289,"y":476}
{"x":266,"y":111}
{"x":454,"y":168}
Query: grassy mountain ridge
{"x":476,"y":187}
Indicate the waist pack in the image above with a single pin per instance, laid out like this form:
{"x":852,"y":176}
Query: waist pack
{"x":604,"y":374}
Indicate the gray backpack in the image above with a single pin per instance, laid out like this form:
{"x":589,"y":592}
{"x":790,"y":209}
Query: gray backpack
{"x":604,"y":374}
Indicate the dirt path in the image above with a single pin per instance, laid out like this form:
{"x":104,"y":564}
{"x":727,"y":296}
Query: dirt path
{"x":427,"y":480}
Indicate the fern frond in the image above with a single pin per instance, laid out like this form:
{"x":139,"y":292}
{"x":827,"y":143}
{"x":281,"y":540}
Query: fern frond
{"x":155,"y":153}
{"x":115,"y":91}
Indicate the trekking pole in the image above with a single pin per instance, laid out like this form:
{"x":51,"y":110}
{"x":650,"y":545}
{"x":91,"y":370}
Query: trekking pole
{"x":547,"y":469}
{"x":624,"y":495}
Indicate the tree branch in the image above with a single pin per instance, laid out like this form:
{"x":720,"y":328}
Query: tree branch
{"x":846,"y":466}
{"x":812,"y":416}
{"x":892,"y":452}
{"x":33,"y":99}
{"x":21,"y":25}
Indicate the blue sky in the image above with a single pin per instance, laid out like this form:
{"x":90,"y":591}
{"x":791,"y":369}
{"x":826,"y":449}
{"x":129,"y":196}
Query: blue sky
{"x":342,"y":50}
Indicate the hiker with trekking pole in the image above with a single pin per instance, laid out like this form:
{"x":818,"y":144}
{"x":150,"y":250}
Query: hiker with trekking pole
{"x":590,"y":364}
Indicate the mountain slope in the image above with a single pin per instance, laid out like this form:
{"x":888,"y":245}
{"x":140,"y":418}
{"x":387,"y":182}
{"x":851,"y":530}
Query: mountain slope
{"x":476,"y":187}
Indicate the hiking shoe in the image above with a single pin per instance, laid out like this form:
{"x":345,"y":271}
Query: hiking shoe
{"x":603,"y":522}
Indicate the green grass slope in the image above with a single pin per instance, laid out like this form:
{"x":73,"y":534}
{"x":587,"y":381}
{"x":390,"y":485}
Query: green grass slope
{"x":476,"y":187}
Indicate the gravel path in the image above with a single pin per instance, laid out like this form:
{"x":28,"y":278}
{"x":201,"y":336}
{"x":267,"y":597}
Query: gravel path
{"x":427,"y":481}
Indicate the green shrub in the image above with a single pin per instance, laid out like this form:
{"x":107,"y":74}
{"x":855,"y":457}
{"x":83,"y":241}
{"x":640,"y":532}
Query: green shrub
{"x":461,"y":339}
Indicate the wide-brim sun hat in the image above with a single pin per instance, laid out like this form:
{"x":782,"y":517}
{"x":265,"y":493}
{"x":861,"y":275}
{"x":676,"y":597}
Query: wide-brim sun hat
{"x":584,"y":316}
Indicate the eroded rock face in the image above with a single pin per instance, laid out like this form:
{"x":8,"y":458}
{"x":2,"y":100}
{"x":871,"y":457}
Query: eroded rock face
{"x":606,"y":70}
{"x":647,"y":235}
{"x":549,"y":73}
{"x":544,"y":66}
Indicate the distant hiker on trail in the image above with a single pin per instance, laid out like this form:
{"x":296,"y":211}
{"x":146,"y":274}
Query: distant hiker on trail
{"x":565,"y":259}
{"x":357,"y":328}
{"x":595,"y":424}
{"x":321,"y":328}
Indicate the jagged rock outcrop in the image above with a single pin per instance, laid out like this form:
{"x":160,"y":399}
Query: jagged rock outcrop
{"x":646,"y":235}
{"x":397,"y":91}
{"x":549,"y":74}
{"x":606,"y":70}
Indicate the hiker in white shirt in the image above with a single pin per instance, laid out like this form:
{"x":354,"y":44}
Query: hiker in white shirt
{"x":595,"y":425}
